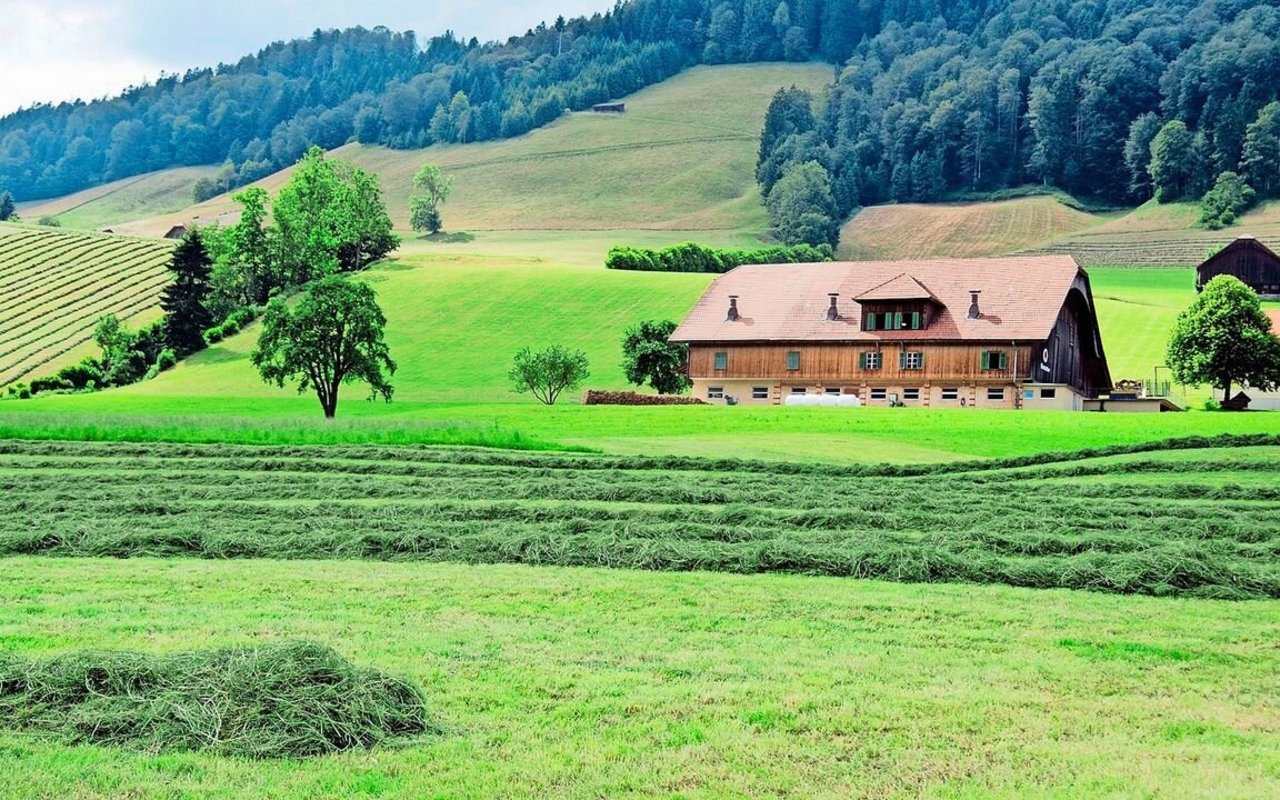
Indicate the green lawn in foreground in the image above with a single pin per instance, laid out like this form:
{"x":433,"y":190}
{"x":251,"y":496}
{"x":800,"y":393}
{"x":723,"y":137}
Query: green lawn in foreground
{"x":582,"y":683}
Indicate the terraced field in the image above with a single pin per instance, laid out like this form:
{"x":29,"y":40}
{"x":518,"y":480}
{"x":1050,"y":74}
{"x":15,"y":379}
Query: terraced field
{"x":54,"y":286}
{"x":1179,"y":518}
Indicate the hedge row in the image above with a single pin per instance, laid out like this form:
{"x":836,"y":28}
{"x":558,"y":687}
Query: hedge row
{"x":599,"y":398}
{"x":690,"y":257}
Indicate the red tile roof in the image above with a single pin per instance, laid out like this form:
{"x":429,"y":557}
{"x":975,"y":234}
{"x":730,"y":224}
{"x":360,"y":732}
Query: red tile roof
{"x":903,"y":287}
{"x":1021,"y":299}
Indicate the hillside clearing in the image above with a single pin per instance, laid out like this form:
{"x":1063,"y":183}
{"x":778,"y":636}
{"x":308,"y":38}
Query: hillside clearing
{"x":119,"y":202}
{"x":682,"y":157}
{"x":606,"y":683}
{"x":55,"y":285}
{"x":958,"y":230}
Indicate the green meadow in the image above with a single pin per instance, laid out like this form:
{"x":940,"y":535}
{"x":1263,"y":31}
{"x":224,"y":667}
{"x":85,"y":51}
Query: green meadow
{"x":586,"y":683}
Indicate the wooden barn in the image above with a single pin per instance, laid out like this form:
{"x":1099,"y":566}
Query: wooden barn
{"x":993,"y":333}
{"x":1247,"y":259}
{"x":609,"y":108}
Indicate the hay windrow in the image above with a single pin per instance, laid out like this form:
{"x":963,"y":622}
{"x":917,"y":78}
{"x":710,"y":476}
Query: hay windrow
{"x":280,"y":700}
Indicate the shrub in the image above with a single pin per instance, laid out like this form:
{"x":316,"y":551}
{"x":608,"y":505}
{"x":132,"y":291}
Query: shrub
{"x":213,"y":335}
{"x":81,"y":375}
{"x":166,"y":360}
{"x":690,"y":257}
{"x":280,"y":700}
{"x":601,"y":398}
{"x":55,"y":383}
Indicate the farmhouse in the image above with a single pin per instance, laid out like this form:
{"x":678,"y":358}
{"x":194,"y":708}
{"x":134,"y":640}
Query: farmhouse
{"x":993,"y":333}
{"x":1247,"y":259}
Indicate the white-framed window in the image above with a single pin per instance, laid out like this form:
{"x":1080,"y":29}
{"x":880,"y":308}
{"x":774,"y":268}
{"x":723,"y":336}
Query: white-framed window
{"x":912,"y":359}
{"x":950,"y":394}
{"x":1029,"y":394}
{"x":910,"y":394}
{"x":715,"y":392}
{"x":1048,"y":394}
{"x":799,"y":390}
{"x":995,"y":359}
{"x":995,"y":393}
{"x":760,"y":393}
{"x":871,"y":360}
{"x":879,"y":394}
{"x":833,"y":390}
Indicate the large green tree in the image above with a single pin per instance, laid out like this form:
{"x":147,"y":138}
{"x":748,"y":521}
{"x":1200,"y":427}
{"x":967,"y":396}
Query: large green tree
{"x":253,"y":255}
{"x":185,"y":315}
{"x":801,"y":207}
{"x":648,"y":356}
{"x":1175,"y":162}
{"x":333,"y":336}
{"x":7,"y":207}
{"x":431,"y":189}
{"x":1224,"y":339}
{"x":1260,"y":160}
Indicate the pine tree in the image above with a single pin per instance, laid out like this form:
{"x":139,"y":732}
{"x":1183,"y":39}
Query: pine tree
{"x":185,"y":315}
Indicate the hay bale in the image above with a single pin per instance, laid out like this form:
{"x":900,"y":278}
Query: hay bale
{"x":280,"y":700}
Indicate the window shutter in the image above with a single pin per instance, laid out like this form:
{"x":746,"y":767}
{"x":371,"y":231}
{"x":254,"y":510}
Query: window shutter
{"x":1004,"y":360}
{"x":897,"y":321}
{"x":902,"y":360}
{"x":871,"y":322}
{"x":986,"y":360}
{"x":862,"y":361}
{"x":915,"y":320}
{"x":920,"y":358}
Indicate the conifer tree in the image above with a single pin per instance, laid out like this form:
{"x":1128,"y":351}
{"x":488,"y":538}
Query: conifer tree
{"x":183,"y":301}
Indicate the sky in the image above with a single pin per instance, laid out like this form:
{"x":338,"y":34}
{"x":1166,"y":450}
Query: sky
{"x":56,"y":50}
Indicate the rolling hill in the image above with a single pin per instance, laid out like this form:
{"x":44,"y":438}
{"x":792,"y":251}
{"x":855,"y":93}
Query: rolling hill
{"x":119,"y":202}
{"x":681,"y":158}
{"x":54,"y":285}
{"x":958,"y":230}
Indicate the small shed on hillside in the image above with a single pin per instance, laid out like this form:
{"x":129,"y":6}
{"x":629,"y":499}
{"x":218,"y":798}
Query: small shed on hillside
{"x":1247,"y":259}
{"x":609,"y":108}
{"x":176,"y":232}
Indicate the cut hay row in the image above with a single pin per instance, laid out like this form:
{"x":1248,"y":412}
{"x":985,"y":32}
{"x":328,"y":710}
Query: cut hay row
{"x":1186,"y":529}
{"x":55,"y":285}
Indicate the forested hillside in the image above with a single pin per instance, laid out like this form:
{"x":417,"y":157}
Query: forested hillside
{"x":933,"y":97}
{"x":1109,"y":100}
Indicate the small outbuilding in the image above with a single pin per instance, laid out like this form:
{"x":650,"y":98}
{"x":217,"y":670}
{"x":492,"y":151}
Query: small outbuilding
{"x":609,"y":108}
{"x":176,"y":232}
{"x":1247,"y":259}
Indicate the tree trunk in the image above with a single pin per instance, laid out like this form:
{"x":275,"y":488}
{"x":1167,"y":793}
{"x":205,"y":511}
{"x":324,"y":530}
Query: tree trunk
{"x":1226,"y":392}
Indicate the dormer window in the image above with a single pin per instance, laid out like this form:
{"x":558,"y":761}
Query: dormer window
{"x":904,"y":318}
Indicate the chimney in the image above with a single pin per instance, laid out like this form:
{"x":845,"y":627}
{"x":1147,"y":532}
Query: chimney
{"x":833,"y":311}
{"x":974,"y":311}
{"x":733,"y":309}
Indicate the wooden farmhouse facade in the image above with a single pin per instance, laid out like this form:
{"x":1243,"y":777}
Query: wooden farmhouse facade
{"x":1247,"y":259}
{"x":993,"y":333}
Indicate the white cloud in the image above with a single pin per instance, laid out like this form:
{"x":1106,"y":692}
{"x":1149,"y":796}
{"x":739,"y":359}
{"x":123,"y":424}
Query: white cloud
{"x":66,"y":49}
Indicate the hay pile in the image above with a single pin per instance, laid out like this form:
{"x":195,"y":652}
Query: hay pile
{"x":281,"y":700}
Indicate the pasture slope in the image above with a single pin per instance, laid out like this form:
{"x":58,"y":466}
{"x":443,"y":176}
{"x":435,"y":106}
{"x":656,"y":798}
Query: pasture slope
{"x":55,"y":284}
{"x":681,"y":158}
{"x":121,"y":202}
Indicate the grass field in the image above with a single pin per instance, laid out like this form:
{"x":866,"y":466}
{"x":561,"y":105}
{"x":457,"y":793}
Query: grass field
{"x":681,"y":158}
{"x":121,"y":202}
{"x":582,"y":683}
{"x":54,"y":285}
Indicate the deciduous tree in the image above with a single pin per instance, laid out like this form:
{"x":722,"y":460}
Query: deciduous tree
{"x":547,"y":373}
{"x":7,"y":207}
{"x":649,"y":357}
{"x":432,"y":189}
{"x":333,"y":337}
{"x":1224,"y":339}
